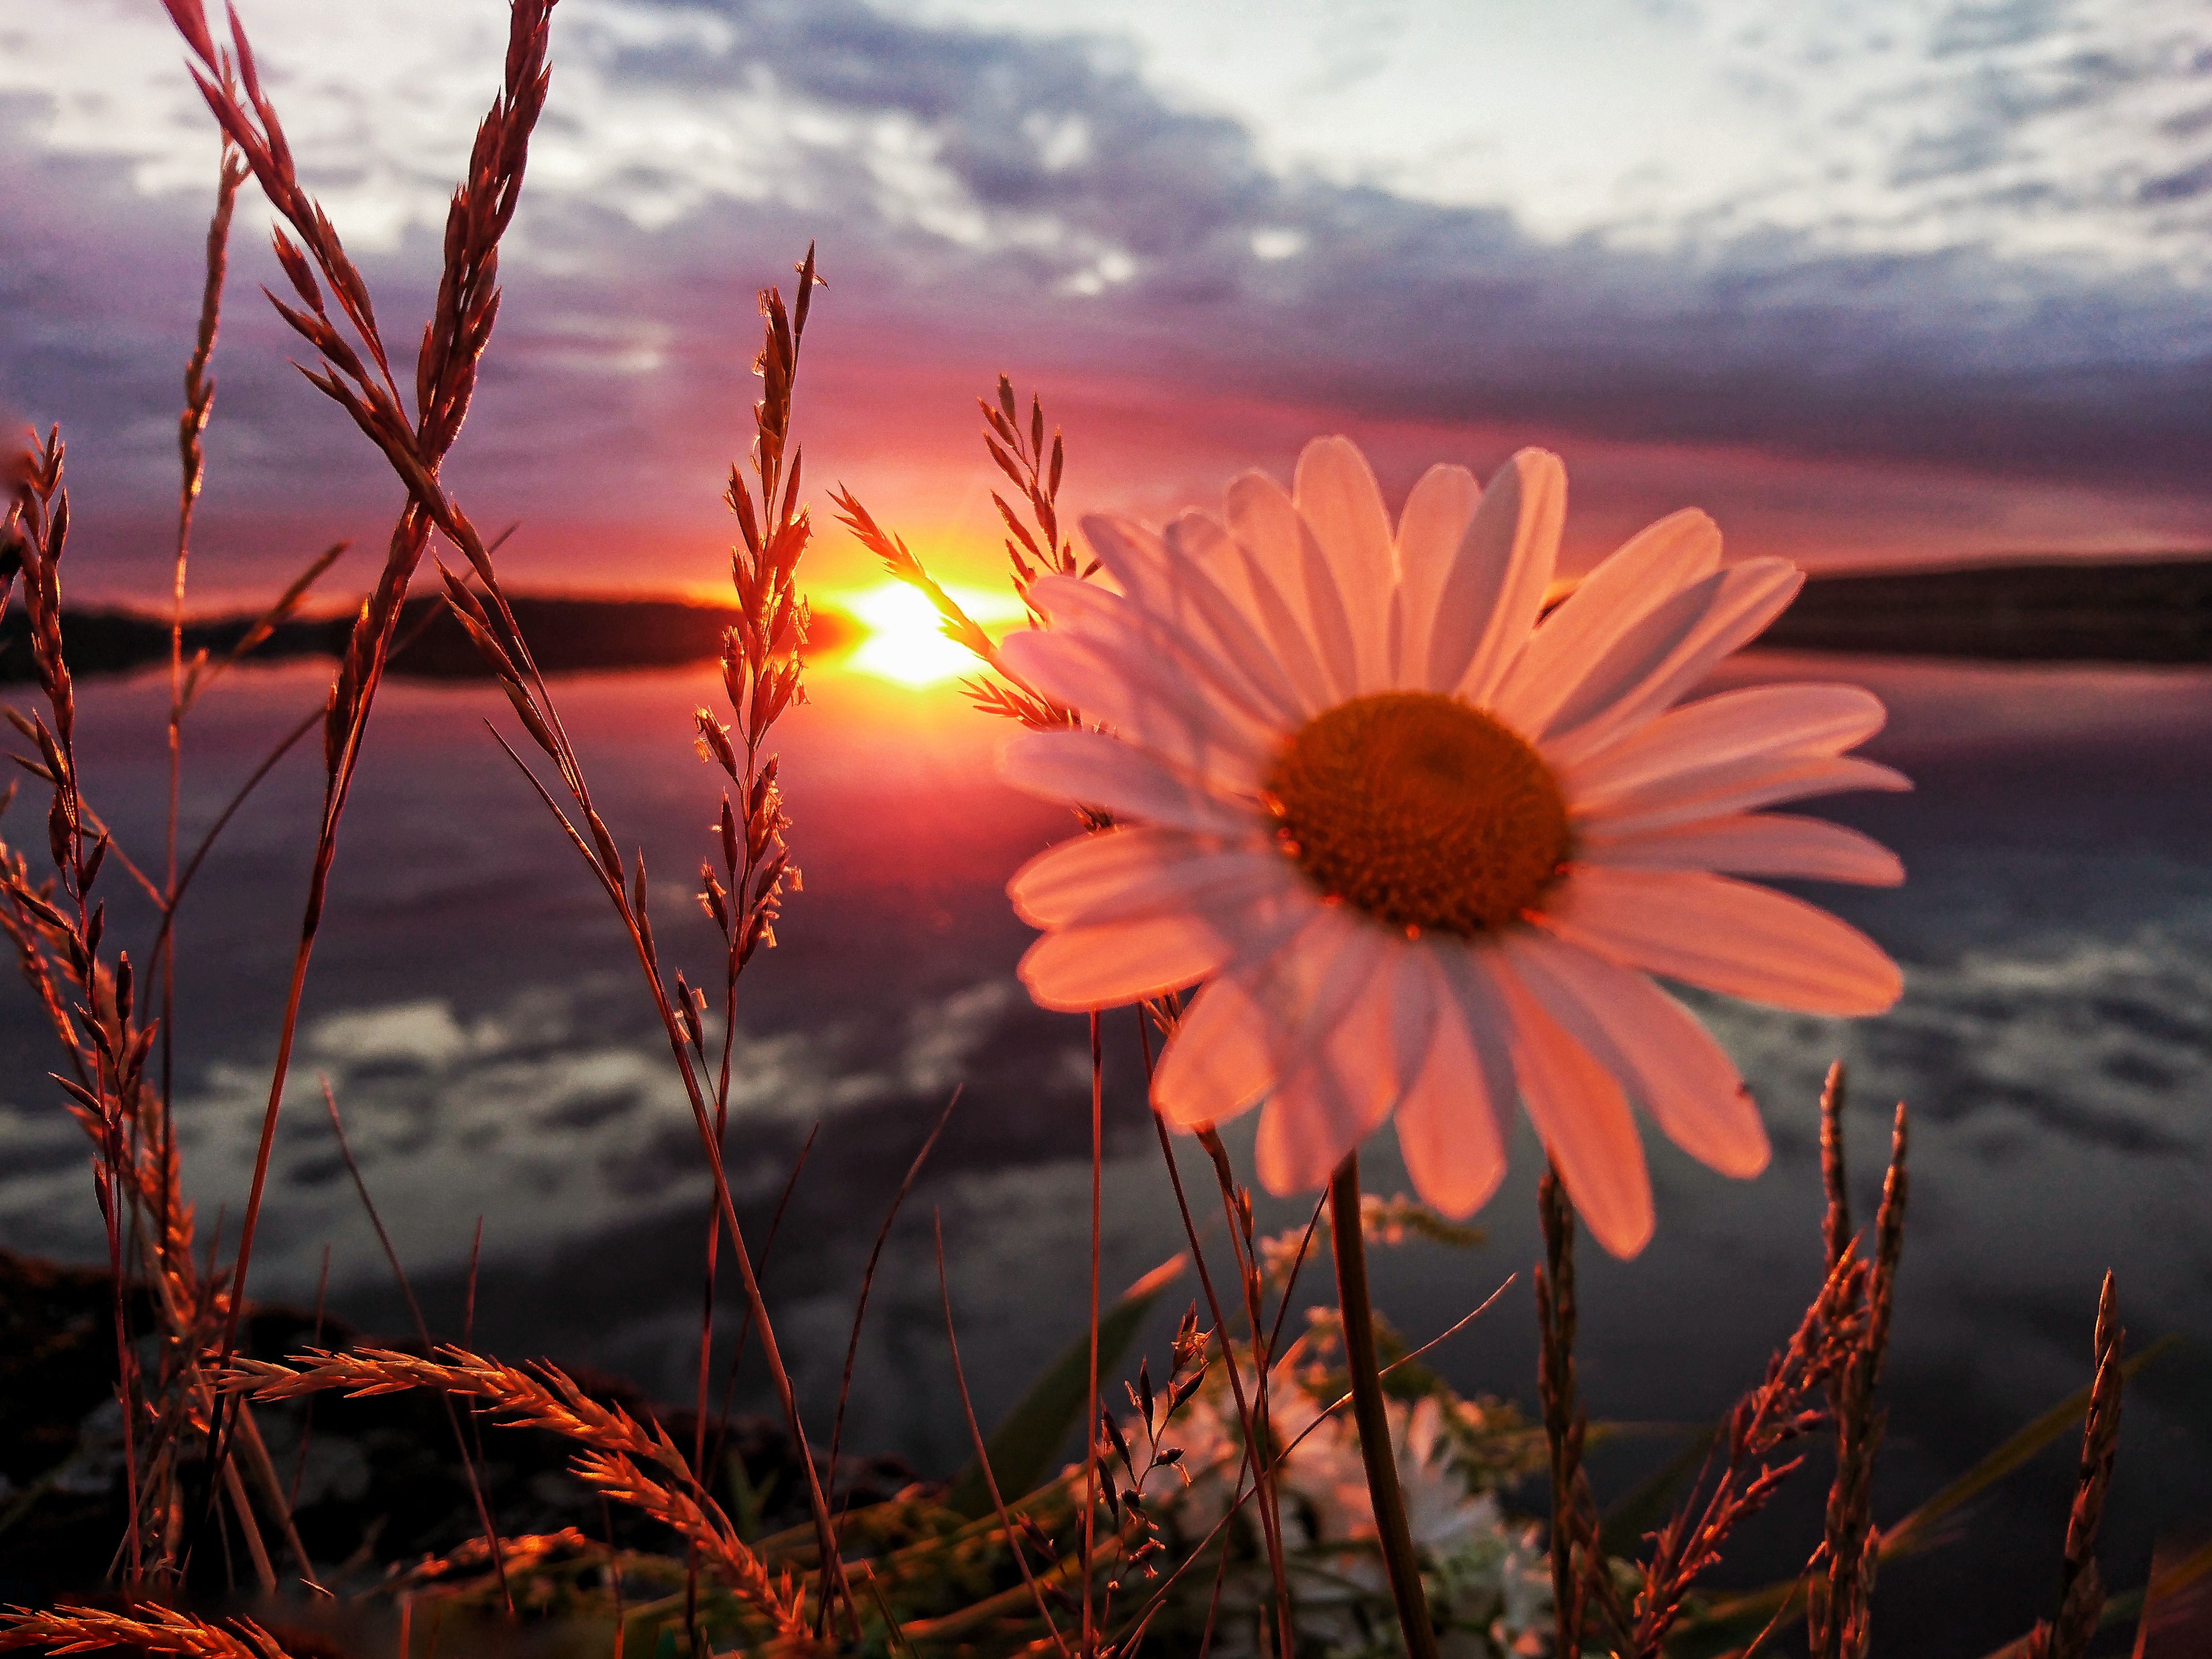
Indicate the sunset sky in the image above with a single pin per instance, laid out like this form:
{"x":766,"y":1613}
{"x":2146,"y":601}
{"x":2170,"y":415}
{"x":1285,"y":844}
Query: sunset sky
{"x":1877,"y":283}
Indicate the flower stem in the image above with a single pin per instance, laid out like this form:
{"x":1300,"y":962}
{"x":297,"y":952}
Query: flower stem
{"x":1367,"y":1408}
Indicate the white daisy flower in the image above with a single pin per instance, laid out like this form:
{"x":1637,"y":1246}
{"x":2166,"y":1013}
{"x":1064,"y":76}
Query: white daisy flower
{"x":1326,"y":1470}
{"x":1423,"y":843}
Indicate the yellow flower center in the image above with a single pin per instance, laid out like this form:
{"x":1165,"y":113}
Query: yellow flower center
{"x":1421,"y":810}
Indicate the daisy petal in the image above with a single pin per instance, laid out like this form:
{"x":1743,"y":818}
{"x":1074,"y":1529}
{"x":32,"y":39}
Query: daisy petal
{"x":1429,"y":531}
{"x":1759,"y":720}
{"x":1310,"y":979}
{"x":1450,"y":1116}
{"x":1091,"y":768}
{"x":1061,"y":882}
{"x":1335,"y":492}
{"x":1490,"y":598}
{"x":1737,"y":786}
{"x":1077,"y":969}
{"x":1184,"y":609}
{"x":1124,"y":874}
{"x":1321,"y":1111}
{"x":1656,"y":563}
{"x":1200,"y":541}
{"x":1746,"y":844}
{"x":1182,"y":614}
{"x":1580,"y":1112}
{"x":1192,"y":535}
{"x":1750,"y":942}
{"x":1286,"y":557}
{"x":1134,"y":553}
{"x":1653,"y":1045}
{"x":1328,"y":991}
{"x":1667,"y":652}
{"x":1145,"y":703}
{"x":1218,"y":1062}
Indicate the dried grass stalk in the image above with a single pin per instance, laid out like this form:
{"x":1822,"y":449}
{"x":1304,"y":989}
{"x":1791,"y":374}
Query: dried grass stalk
{"x":2081,"y":1589}
{"x":633,"y":1462}
{"x":1839,"y":1581}
{"x":152,"y":1629}
{"x":1745,"y":1467}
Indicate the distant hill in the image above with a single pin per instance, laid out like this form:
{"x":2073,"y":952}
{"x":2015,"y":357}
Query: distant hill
{"x":2145,"y":611}
{"x":567,"y":634}
{"x":2156,"y":610}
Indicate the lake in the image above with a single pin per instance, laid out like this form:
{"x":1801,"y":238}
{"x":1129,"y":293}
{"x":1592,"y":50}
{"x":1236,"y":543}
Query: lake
{"x":477,"y":1015}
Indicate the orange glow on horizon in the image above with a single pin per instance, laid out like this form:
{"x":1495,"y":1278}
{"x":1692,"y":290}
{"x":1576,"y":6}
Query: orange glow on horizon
{"x":905,"y":641}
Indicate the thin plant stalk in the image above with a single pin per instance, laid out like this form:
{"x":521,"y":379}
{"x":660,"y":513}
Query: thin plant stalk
{"x":1090,"y":1411}
{"x":199,"y":403}
{"x":868,"y":1274}
{"x":1257,"y":1453}
{"x":1372,"y":1416}
{"x":983,"y":1450}
{"x":746,"y":1319}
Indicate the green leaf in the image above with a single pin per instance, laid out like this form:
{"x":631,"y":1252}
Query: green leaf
{"x":1022,"y":1447}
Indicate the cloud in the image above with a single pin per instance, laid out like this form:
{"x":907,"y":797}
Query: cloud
{"x":984,"y":194}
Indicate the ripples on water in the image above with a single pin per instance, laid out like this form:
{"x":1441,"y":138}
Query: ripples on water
{"x":472,"y":1008}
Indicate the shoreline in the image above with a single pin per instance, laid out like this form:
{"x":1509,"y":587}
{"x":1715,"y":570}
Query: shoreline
{"x":2142,"y":611}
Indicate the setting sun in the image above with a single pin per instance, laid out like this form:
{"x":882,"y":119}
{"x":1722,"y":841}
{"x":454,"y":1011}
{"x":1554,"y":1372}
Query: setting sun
{"x":905,"y":643}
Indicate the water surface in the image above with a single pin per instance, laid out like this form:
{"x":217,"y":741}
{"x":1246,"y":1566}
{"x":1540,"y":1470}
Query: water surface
{"x":479,"y":1018}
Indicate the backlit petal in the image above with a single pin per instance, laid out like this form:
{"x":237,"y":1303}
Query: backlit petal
{"x":1450,"y":1118}
{"x":1226,"y":605}
{"x":1090,"y":769}
{"x":1754,"y":844}
{"x":1652,"y":566}
{"x":1126,"y":872}
{"x":1739,"y":785}
{"x":1490,"y":597}
{"x":1442,"y":500}
{"x":1183,"y":609}
{"x":1304,"y":600}
{"x":1075,"y":970}
{"x":1335,"y":492}
{"x":1759,"y":720}
{"x":1581,"y":1116}
{"x":1667,"y":653}
{"x":1750,"y":942}
{"x":1336,"y":1085}
{"x":1061,"y":882}
{"x":1310,"y":988}
{"x":1160,"y":712}
{"x":1219,"y":1060}
{"x":1652,"y":1044}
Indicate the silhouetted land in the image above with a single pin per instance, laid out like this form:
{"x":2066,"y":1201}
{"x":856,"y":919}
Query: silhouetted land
{"x":2156,"y":610}
{"x":567,"y":634}
{"x":2142,"y":611}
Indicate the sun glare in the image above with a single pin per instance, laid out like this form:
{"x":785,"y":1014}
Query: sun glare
{"x":905,"y":643}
